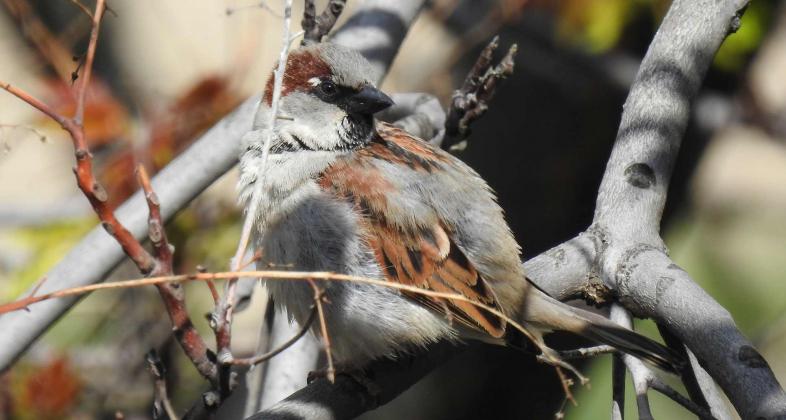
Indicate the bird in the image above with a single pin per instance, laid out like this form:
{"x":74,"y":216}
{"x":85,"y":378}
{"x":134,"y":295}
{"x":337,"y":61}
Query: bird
{"x":343,"y":192}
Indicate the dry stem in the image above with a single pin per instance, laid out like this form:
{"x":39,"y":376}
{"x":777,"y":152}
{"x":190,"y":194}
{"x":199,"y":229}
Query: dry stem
{"x":548,"y":355}
{"x":161,"y":404}
{"x":255,"y":360}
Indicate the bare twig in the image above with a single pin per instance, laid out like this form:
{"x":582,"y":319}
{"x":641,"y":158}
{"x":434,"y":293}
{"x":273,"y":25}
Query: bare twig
{"x":623,"y":246}
{"x":644,"y":378}
{"x":640,"y":374}
{"x":156,"y":232}
{"x":586,"y":352}
{"x":221,"y":318}
{"x":316,"y":27}
{"x":617,"y":388}
{"x":83,"y":8}
{"x":255,"y":360}
{"x":88,"y":67}
{"x":161,"y":403}
{"x":319,"y":299}
{"x":258,"y":4}
{"x":471,"y":101}
{"x":549,"y":355}
{"x":172,"y":294}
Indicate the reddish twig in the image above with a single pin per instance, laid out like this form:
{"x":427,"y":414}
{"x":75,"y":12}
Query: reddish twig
{"x":213,"y":292}
{"x":88,"y":67}
{"x":173,"y":294}
{"x":83,"y":8}
{"x":155,"y":223}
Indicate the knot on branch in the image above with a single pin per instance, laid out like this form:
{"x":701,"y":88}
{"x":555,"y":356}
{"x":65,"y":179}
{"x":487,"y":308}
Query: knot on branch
{"x":640,"y":175}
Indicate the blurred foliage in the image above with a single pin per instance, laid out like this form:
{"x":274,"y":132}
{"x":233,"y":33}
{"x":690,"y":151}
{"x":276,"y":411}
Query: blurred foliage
{"x":45,"y":392}
{"x":738,"y":47}
{"x":599,"y":25}
{"x":45,"y":245}
{"x":170,"y":131}
{"x":106,"y":119}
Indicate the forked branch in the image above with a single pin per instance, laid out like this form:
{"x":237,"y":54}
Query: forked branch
{"x":316,"y":27}
{"x":471,"y":101}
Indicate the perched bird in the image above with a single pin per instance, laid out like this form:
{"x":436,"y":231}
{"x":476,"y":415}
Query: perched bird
{"x":345,"y":193}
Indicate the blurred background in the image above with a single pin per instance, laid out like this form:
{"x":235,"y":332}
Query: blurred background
{"x":165,"y":71}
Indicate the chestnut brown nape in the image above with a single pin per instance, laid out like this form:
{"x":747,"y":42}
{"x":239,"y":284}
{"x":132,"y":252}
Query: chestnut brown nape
{"x":302,"y":65}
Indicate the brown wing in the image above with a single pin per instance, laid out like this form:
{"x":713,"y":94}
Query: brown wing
{"x":417,"y":256}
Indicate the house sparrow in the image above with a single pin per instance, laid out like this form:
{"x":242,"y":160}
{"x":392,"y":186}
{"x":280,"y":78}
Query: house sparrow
{"x":347,"y":194}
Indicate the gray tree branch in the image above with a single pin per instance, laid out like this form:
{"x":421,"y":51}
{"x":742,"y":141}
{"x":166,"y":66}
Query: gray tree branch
{"x":349,"y":397}
{"x":633,"y":260}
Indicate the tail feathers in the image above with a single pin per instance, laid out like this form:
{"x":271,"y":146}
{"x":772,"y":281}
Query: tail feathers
{"x":552,"y":314}
{"x":635,"y":344}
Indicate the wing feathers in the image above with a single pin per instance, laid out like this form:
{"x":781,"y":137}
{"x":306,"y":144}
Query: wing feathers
{"x":424,"y":257}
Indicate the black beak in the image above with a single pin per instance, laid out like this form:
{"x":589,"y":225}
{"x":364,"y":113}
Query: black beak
{"x":368,"y":101}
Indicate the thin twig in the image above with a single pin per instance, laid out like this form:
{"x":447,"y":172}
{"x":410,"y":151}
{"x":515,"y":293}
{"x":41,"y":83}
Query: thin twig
{"x":161,"y":402}
{"x":316,"y":27}
{"x":660,"y":386}
{"x":172,"y":294}
{"x":83,"y":8}
{"x":213,"y":292}
{"x":586,"y":352}
{"x":547,"y":355}
{"x":156,"y":231}
{"x":221,"y":319}
{"x":550,"y":357}
{"x":319,"y":298}
{"x":256,"y":5}
{"x":645,"y":378}
{"x":471,"y":101}
{"x":617,"y":387}
{"x":640,"y":373}
{"x":37,"y":104}
{"x":255,"y":360}
{"x":91,"y":53}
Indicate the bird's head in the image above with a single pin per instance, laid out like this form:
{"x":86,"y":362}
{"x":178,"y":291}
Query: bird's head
{"x":327,"y":100}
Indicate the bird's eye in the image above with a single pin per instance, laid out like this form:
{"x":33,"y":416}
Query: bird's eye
{"x":328,"y":89}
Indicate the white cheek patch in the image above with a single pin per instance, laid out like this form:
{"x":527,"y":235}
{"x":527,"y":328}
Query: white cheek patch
{"x":314,"y":81}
